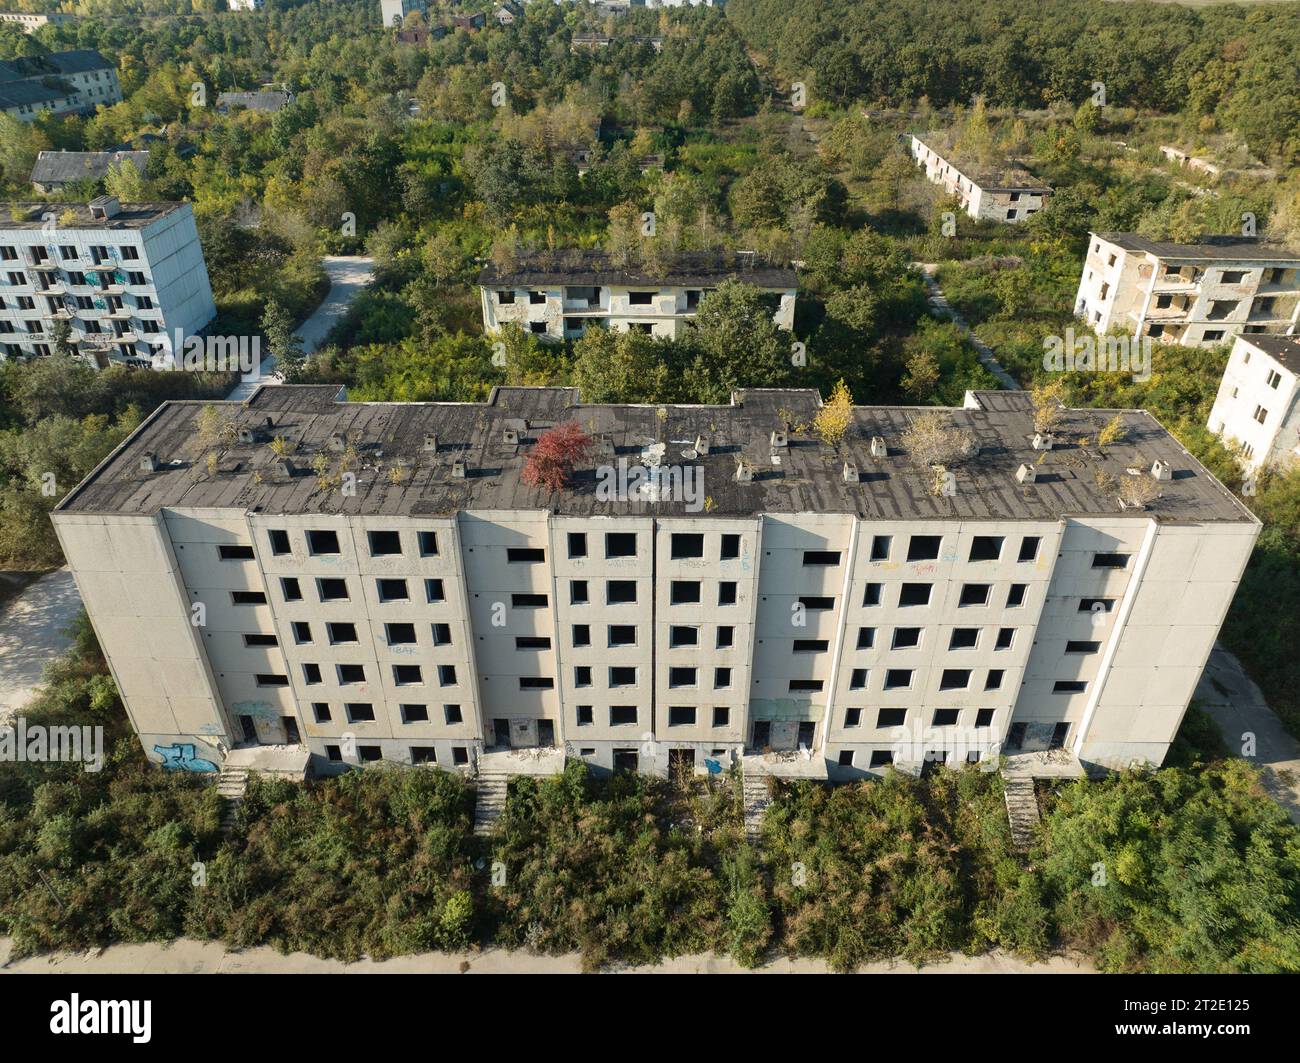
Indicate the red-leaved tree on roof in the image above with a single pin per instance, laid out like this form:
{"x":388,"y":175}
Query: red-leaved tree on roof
{"x":554,"y":456}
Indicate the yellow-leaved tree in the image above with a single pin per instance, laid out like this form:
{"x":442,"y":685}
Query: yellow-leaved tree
{"x":833,"y":419}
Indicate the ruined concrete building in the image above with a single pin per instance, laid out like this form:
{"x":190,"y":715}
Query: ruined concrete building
{"x":343,"y":583}
{"x":1195,"y":294}
{"x":561,"y":294}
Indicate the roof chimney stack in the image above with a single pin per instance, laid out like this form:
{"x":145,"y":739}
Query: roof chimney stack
{"x":104,"y":207}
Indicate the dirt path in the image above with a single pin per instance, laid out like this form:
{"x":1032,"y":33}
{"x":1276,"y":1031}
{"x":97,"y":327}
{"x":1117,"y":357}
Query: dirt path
{"x":349,"y":275}
{"x":186,"y":956}
{"x":941,"y":308}
{"x":1228,"y":694}
{"x":31,"y":633}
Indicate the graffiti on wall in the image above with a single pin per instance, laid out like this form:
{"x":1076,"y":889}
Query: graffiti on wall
{"x":180,"y":757}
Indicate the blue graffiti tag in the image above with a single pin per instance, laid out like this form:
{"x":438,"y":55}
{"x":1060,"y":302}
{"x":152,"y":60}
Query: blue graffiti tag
{"x":182,"y":758}
{"x":714,"y":766}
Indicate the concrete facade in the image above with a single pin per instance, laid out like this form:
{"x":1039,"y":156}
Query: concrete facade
{"x":31,"y":23}
{"x":1009,"y":196}
{"x":1258,"y":404}
{"x":62,"y":82}
{"x":125,"y":279}
{"x":1191,"y":294}
{"x":394,"y":12}
{"x":560,"y":300}
{"x":636,"y":638}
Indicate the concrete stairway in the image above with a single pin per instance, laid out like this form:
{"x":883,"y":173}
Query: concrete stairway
{"x":756,"y":790}
{"x":232,"y":785}
{"x":489,"y":800}
{"x":1022,"y":811}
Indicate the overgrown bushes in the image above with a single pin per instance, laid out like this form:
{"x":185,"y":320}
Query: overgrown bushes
{"x":372,"y":863}
{"x":621,"y":870}
{"x":1187,"y":869}
{"x":1175,"y":871}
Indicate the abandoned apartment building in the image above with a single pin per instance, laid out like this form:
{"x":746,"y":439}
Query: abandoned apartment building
{"x":1257,"y":407}
{"x":1004,"y":194}
{"x":1196,"y":294}
{"x":561,"y":294}
{"x":825,"y":601}
{"x":127,"y":279}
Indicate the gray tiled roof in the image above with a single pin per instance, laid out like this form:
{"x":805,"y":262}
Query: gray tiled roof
{"x":54,"y":167}
{"x":255,"y":101}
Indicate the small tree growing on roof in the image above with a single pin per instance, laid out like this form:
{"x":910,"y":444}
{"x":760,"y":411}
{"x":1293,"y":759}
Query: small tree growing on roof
{"x":1138,"y":491}
{"x":932,"y":439}
{"x":1047,"y":398}
{"x":554,"y":456}
{"x":833,"y":419}
{"x":1113,"y":432}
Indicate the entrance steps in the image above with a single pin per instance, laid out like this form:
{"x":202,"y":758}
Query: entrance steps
{"x":489,"y":800}
{"x":1022,"y":811}
{"x":232,"y":785}
{"x":756,"y":789}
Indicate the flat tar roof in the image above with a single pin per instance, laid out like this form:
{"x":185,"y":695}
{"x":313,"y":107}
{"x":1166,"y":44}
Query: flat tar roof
{"x":809,"y":477}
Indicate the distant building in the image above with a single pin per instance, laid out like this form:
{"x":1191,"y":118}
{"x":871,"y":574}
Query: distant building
{"x":394,"y":12}
{"x":559,"y":295}
{"x":614,"y":8}
{"x":245,"y":5}
{"x":473,"y":23}
{"x":61,"y":82}
{"x":508,"y":13}
{"x":31,"y":23}
{"x":421,"y":35}
{"x":269,"y":101}
{"x":125,"y":278}
{"x":1192,"y":294}
{"x":589,"y":41}
{"x":1258,"y":405}
{"x":56,"y":169}
{"x":1192,"y":162}
{"x":1008,"y":194}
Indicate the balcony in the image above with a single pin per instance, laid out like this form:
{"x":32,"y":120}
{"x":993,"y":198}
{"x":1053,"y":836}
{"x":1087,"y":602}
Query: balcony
{"x":1177,"y":282}
{"x":1173,"y":312}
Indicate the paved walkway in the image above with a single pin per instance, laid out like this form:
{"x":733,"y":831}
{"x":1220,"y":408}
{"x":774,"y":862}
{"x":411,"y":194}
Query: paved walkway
{"x":1228,"y":694}
{"x":940,"y":307}
{"x":187,"y":956}
{"x":31,"y":633}
{"x":348,"y":275}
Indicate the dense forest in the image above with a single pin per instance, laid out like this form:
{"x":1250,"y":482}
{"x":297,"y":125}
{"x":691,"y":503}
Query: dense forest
{"x":1228,"y":65}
